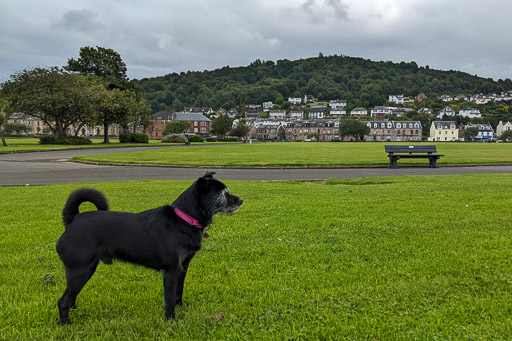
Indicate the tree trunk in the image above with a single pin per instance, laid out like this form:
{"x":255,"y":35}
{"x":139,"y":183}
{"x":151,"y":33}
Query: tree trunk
{"x":105,"y":132}
{"x":3,"y":137}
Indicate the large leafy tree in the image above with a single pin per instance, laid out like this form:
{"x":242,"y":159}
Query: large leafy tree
{"x":60,"y":99}
{"x":221,"y":125}
{"x":102,"y":62}
{"x":354,"y":128}
{"x":115,"y":107}
{"x":176,"y":127}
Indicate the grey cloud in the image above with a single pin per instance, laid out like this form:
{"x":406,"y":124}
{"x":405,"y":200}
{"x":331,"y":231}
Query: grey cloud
{"x":82,"y":20}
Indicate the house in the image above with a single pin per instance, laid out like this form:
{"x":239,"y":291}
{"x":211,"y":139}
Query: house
{"x":446,"y":98}
{"x":199,"y":124}
{"x":160,"y":119}
{"x":337,"y":104}
{"x":296,"y":115}
{"x":251,"y":115}
{"x":462,"y":98}
{"x":446,"y":111}
{"x":337,"y":113}
{"x":470,"y":113}
{"x":394,"y":131}
{"x":267,"y":106}
{"x":35,"y":123}
{"x":232,"y":113}
{"x":295,"y":100}
{"x":266,"y":131}
{"x":420,"y":98}
{"x":315,"y":114}
{"x":310,"y":98}
{"x":425,"y":110}
{"x":252,"y":107}
{"x":504,"y":97}
{"x":316,"y":130}
{"x":220,"y":112}
{"x":380,"y":111}
{"x":322,"y":106}
{"x":397,"y":99}
{"x":485,"y":132}
{"x":276,"y":114}
{"x":400,"y":111}
{"x":480,"y":99}
{"x":503,"y":127}
{"x":444,"y":131}
{"x":359,"y":112}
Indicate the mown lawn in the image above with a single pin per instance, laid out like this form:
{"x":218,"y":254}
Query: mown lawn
{"x":377,"y":258}
{"x":306,"y":154}
{"x":25,"y":144}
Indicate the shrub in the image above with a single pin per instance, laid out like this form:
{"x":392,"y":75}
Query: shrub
{"x":211,"y":139}
{"x":195,"y":138}
{"x":175,"y":138}
{"x":69,"y":140}
{"x":133,"y":138}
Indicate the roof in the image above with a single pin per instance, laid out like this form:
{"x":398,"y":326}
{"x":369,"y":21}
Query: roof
{"x":186,"y":116}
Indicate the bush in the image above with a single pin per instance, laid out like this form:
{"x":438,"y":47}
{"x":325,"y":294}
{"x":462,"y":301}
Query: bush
{"x":69,"y":140}
{"x":229,"y":139}
{"x":211,"y":139}
{"x":175,"y":138}
{"x":195,"y":138}
{"x":133,"y":138}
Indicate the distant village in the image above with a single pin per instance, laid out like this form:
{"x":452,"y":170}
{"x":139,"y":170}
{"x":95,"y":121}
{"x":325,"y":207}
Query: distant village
{"x":314,"y":120}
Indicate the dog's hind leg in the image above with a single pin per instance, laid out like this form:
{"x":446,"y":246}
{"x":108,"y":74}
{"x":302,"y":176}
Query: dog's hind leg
{"x":170,"y":283}
{"x":76,"y":279}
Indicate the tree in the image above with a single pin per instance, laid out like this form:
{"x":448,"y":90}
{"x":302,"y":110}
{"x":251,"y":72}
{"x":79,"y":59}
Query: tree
{"x":60,"y":99}
{"x":506,"y":135}
{"x":240,"y":131}
{"x":114,"y":107}
{"x":4,"y":109}
{"x":221,"y":125}
{"x":102,"y":62}
{"x":176,"y":127}
{"x":470,"y":133}
{"x":354,"y":128}
{"x":16,"y":128}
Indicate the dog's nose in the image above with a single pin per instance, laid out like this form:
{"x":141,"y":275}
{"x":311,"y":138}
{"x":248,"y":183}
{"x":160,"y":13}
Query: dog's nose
{"x":240,"y":202}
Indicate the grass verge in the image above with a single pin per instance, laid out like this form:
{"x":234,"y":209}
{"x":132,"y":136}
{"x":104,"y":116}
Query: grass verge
{"x":378,"y":258}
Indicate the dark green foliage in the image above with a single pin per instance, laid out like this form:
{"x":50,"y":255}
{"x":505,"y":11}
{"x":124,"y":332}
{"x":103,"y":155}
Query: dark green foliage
{"x":69,"y":140}
{"x":354,"y":129}
{"x":363,"y":82}
{"x":195,"y":138}
{"x":211,"y":139}
{"x":133,"y":138}
{"x":16,"y":128}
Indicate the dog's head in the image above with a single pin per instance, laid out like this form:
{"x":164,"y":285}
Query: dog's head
{"x":214,"y":196}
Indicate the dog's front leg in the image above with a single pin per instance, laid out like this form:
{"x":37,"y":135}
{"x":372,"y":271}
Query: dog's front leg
{"x":170,"y":282}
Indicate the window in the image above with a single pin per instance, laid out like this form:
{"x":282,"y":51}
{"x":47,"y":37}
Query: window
{"x":196,"y":123}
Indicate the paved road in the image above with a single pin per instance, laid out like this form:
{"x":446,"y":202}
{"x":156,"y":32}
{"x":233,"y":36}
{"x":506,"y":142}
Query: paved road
{"x":52,"y":167}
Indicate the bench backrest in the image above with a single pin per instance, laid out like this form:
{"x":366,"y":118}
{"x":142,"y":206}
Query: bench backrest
{"x":411,"y":149}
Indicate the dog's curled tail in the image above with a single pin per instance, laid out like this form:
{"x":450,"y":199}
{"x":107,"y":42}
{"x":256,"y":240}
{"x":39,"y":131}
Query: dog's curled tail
{"x":72,"y":206}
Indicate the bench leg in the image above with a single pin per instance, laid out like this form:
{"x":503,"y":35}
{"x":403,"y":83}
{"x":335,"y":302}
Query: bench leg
{"x":392,"y":163}
{"x":432,"y":162}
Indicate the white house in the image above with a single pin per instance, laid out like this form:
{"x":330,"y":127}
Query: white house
{"x":276,"y":114}
{"x":315,"y":113}
{"x":397,"y":99}
{"x":485,"y":132}
{"x":446,"y":111}
{"x":470,"y":113}
{"x":295,"y":100}
{"x":380,"y":111}
{"x":296,"y":115}
{"x":338,"y":113}
{"x":359,"y":112}
{"x":337,"y":104}
{"x":267,"y":106}
{"x":446,"y":98}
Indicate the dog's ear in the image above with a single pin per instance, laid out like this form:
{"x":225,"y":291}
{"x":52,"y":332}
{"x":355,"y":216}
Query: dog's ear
{"x":203,"y":185}
{"x":208,"y":175}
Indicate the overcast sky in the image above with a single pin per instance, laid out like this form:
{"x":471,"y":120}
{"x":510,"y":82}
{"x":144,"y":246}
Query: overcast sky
{"x":157,"y":37}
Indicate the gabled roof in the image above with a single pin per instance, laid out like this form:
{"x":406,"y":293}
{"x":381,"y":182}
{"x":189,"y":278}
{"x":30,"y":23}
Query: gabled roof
{"x":185,"y":116}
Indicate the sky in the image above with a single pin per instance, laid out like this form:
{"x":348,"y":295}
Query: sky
{"x":157,"y":37}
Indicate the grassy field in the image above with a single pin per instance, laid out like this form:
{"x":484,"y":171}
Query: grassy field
{"x":306,"y":154}
{"x":17,"y":144}
{"x":396,"y":258}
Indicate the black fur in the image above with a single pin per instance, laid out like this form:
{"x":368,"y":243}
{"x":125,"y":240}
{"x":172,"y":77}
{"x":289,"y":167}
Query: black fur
{"x":155,"y":238}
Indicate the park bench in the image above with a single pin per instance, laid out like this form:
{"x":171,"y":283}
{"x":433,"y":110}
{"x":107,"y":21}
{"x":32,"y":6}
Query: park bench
{"x":412,"y":152}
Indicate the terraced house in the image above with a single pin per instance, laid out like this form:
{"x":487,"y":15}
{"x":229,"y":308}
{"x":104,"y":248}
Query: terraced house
{"x":394,"y":131}
{"x":319,"y":130}
{"x":444,"y":131}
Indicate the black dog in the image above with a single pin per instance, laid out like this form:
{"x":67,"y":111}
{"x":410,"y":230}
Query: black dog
{"x":164,"y":238}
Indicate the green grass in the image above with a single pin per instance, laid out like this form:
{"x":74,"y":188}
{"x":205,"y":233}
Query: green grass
{"x":378,"y":258}
{"x":26,"y":144}
{"x":306,"y":154}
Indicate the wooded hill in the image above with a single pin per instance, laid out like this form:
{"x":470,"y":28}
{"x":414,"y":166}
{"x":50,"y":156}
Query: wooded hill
{"x":362,"y":82}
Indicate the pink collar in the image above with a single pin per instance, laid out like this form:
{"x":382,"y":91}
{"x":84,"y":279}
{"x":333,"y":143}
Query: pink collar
{"x":187,"y":218}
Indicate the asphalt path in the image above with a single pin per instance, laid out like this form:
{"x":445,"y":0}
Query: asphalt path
{"x":54,"y":167}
